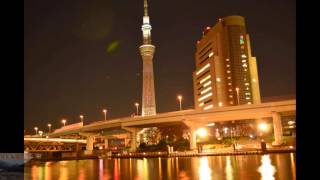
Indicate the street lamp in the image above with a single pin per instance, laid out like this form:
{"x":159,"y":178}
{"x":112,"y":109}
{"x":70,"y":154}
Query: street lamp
{"x":137,"y":106}
{"x":225,"y":130}
{"x":40,"y":133}
{"x":263,"y":127}
{"x":49,"y":125}
{"x":180,"y":99}
{"x":238,"y":98}
{"x":64,"y":122}
{"x":36,"y":129}
{"x":105,"y":113}
{"x":202,"y":132}
{"x":81,"y":117}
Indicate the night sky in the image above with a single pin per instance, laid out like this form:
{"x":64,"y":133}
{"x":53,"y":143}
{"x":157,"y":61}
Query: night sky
{"x":81,"y":56}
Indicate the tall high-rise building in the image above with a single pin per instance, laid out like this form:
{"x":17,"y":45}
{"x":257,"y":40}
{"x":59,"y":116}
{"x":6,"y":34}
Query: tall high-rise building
{"x":226,"y":73}
{"x":147,"y":51}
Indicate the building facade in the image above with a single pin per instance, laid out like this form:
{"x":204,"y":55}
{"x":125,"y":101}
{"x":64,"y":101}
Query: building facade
{"x":226,"y":73}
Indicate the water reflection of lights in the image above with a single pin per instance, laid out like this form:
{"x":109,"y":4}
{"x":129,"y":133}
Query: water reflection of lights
{"x":229,"y":170}
{"x":160,"y":168}
{"x":63,"y":170}
{"x":47,"y":170}
{"x":183,"y":176}
{"x":293,"y":165}
{"x":116,"y":170}
{"x":145,"y":169}
{"x":267,"y":170}
{"x":100,"y":168}
{"x":204,"y":169}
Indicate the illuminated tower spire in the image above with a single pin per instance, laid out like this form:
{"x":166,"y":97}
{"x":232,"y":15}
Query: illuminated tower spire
{"x":147,"y":51}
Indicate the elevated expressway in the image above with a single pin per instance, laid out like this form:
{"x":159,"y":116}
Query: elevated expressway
{"x":193,"y":119}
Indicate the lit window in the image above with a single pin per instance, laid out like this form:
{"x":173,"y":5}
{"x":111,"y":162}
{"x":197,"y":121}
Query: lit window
{"x":218,"y":80}
{"x":249,"y":103}
{"x":220,"y":104}
{"x":247,"y":93}
{"x":243,"y":56}
{"x":247,"y":98}
{"x":211,"y":54}
{"x":229,"y":84}
{"x":230,"y":96}
{"x":241,"y":40}
{"x":204,"y":79}
{"x":253,"y":80}
{"x":245,"y":69}
{"x":202,"y":69}
{"x":229,"y":77}
{"x":228,"y":65}
{"x":208,"y":107}
{"x":247,"y":84}
{"x":228,"y":71}
{"x":205,"y":96}
{"x":207,"y":84}
{"x":247,"y":88}
{"x":230,"y":90}
{"x":227,"y":60}
{"x":206,"y":90}
{"x":244,"y":65}
{"x":291,"y":122}
{"x":243,"y":60}
{"x":201,"y":104}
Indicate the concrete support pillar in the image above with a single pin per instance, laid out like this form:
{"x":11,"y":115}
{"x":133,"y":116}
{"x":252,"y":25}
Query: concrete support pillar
{"x":90,"y":141}
{"x":133,"y":138}
{"x":277,"y":128}
{"x":193,"y":137}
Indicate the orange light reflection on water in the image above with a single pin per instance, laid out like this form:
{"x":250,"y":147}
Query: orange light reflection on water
{"x":47,"y":170}
{"x":267,"y":170}
{"x":229,"y":170}
{"x":204,"y":169}
{"x":293,"y":165}
{"x":63,"y":170}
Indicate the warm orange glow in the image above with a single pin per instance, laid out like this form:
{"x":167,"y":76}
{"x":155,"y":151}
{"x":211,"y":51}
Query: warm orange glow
{"x":136,"y":104}
{"x":179,"y":97}
{"x":201,"y":132}
{"x":49,"y":125}
{"x":263,"y":127}
{"x":104,"y":110}
{"x":64,"y":121}
{"x":81,"y":116}
{"x":36,"y":128}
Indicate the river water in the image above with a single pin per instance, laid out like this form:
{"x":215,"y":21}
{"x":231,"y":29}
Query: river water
{"x":241,"y":167}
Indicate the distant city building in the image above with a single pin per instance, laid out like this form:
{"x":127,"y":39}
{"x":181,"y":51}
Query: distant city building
{"x":147,"y":51}
{"x":226,"y":73}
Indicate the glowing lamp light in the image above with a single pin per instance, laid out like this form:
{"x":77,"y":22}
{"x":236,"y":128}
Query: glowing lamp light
{"x":201,"y":132}
{"x":211,"y":124}
{"x":263,"y":126}
{"x":225,"y":130}
{"x":100,"y":147}
{"x":291,"y":122}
